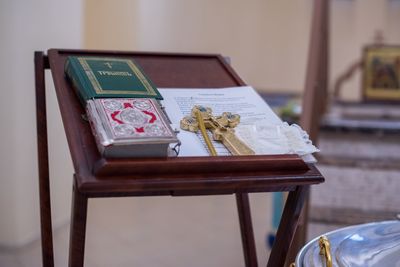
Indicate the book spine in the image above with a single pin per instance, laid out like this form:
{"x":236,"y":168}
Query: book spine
{"x":74,"y":78}
{"x":87,"y":86}
{"x":76,"y":74}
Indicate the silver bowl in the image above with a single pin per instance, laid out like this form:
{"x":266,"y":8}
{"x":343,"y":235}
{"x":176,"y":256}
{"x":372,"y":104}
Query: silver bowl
{"x":366,"y":245}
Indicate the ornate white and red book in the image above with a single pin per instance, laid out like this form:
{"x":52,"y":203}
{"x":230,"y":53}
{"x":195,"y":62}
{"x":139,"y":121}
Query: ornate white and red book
{"x":130,"y":127}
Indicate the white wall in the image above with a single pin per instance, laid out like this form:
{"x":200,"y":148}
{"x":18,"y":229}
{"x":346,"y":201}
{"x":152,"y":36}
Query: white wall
{"x":111,"y":25}
{"x":266,"y":39}
{"x":26,"y":26}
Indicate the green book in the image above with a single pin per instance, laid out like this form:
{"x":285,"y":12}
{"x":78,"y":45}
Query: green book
{"x":103,"y":77}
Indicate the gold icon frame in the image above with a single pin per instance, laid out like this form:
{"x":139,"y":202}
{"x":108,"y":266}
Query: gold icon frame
{"x":381,"y":70}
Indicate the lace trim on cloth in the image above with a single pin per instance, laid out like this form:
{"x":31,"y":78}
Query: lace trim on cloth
{"x":266,"y":138}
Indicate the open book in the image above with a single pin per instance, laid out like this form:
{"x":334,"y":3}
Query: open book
{"x":260,"y":128}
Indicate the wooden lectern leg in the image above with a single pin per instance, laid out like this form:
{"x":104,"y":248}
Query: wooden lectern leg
{"x":78,"y":229}
{"x":41,"y":63}
{"x":287,"y":226}
{"x":246,"y":228}
{"x":300,"y":235}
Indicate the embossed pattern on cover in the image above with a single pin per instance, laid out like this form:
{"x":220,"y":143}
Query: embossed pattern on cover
{"x":134,"y":118}
{"x":122,"y":125}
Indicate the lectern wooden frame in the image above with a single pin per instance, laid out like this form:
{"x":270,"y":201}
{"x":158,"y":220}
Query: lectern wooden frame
{"x":99,"y":177}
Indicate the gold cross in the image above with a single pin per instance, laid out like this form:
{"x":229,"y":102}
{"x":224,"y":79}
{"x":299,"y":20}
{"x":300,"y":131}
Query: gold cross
{"x":220,"y":126}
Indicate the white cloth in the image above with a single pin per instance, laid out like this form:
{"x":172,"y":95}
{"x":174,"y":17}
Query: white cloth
{"x":267,"y":138}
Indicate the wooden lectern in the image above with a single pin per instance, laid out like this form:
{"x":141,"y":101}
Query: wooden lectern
{"x":100,"y":177}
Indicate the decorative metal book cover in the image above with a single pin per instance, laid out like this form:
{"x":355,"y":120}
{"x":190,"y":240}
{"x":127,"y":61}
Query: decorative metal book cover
{"x":130,"y":127}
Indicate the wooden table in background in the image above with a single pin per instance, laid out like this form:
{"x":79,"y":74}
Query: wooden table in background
{"x":95,"y":176}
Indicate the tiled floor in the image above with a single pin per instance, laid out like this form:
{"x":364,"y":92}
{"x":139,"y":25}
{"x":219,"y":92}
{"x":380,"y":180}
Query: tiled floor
{"x":158,"y":231}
